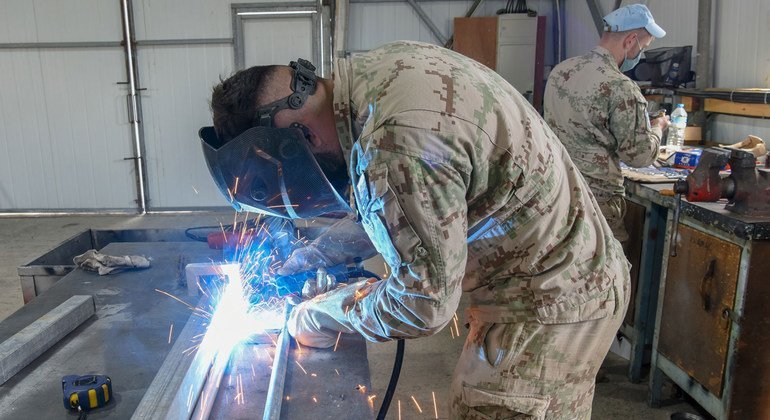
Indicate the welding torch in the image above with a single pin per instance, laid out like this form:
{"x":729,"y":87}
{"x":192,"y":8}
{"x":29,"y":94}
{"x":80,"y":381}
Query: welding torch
{"x":293,"y":283}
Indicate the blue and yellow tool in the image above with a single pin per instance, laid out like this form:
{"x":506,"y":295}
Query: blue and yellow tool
{"x":84,"y":393}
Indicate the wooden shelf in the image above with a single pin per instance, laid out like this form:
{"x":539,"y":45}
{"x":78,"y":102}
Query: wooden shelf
{"x":720,"y":106}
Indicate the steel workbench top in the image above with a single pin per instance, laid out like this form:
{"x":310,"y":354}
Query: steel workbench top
{"x":711,"y":214}
{"x":128,"y":339}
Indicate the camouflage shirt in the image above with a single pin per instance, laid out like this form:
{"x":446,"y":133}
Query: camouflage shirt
{"x":601,"y":117}
{"x":463,"y":187}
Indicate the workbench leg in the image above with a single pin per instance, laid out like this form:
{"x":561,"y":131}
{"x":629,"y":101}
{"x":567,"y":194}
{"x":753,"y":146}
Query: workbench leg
{"x":647,"y":289}
{"x":656,"y":387}
{"x":637,"y":359}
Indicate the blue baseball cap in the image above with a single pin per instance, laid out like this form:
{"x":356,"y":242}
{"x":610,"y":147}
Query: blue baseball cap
{"x":633,"y":16}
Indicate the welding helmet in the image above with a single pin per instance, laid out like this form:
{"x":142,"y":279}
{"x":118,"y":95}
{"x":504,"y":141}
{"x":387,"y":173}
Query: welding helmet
{"x":271,"y":170}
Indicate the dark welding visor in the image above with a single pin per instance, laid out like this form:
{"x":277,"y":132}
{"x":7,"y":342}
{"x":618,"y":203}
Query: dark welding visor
{"x":270,"y":171}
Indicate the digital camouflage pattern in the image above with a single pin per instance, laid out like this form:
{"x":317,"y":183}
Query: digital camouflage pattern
{"x":600,"y":116}
{"x":535,"y":370}
{"x":463,"y":187}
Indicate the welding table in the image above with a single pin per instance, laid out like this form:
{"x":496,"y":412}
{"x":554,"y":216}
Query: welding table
{"x":128,"y":339}
{"x":710,"y":311}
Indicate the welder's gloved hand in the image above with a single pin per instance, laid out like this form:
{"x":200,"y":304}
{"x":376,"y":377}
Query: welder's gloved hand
{"x":304,"y":259}
{"x":342,"y":243}
{"x":322,"y":283}
{"x":317,"y":322}
{"x":93,"y":260}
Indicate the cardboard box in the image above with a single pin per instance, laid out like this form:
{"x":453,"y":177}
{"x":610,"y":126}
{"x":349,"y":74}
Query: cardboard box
{"x":693,"y":133}
{"x":687,"y":159}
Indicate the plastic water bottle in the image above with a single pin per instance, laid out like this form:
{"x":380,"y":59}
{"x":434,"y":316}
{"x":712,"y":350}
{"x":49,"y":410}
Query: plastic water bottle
{"x":678,"y":124}
{"x":673,"y":75}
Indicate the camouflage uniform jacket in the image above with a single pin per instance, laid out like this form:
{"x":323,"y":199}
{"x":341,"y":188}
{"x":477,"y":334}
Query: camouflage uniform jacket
{"x":462,"y":187}
{"x":601,"y":117}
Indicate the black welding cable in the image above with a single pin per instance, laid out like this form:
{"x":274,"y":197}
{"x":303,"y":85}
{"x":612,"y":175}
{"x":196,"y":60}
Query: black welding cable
{"x":189,"y":232}
{"x":393,"y":380}
{"x":400,"y":345}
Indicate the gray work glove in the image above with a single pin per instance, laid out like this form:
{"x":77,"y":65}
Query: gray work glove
{"x":319,"y":321}
{"x":343,"y":242}
{"x":322,"y":283}
{"x":93,"y":260}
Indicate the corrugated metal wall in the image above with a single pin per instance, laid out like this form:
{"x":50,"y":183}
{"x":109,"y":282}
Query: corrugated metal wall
{"x":742,"y":59}
{"x":64,"y":132}
{"x":178,"y":80}
{"x":741,"y":50}
{"x":64,"y":129}
{"x":373,"y":24}
{"x":63,"y":125}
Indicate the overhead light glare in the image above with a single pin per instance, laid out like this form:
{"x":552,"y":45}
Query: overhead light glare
{"x":279,"y":12}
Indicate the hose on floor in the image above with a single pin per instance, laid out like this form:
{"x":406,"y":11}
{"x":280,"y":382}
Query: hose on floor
{"x":393,"y":380}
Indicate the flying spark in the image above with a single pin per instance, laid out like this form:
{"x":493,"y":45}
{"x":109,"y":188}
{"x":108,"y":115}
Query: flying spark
{"x":300,"y":366}
{"x":417,"y":404}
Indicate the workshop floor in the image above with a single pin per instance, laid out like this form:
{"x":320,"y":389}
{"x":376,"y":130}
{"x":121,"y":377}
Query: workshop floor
{"x":428,"y":363}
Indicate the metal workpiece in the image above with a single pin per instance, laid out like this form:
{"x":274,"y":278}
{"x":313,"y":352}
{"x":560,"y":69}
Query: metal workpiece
{"x":25,"y":346}
{"x":319,"y":383}
{"x":278,"y":375}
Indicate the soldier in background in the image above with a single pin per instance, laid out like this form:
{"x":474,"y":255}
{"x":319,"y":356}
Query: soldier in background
{"x":461,"y":187}
{"x":600,"y":115}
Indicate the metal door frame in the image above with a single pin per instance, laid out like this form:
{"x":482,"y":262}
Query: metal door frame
{"x":242,"y":11}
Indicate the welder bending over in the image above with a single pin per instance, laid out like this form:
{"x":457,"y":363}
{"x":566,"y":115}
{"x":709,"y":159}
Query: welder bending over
{"x":461,"y":186}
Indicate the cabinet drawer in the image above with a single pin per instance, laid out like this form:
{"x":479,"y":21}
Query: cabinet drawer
{"x":700,"y":285}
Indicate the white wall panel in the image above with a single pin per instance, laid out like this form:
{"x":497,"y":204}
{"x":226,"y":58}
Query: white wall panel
{"x":742,"y":59}
{"x":374,"y":24}
{"x":180,"y":19}
{"x":179,"y":81}
{"x":175,"y":105}
{"x":59,"y":21}
{"x":268,"y":41}
{"x":63,"y":130}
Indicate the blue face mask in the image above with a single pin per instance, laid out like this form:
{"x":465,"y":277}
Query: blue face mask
{"x":627,"y":63}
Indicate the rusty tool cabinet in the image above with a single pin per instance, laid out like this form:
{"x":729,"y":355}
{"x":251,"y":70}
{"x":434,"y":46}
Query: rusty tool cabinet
{"x":712,"y":329}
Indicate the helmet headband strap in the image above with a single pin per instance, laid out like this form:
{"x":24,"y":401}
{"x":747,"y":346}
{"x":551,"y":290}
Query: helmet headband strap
{"x":303,"y":84}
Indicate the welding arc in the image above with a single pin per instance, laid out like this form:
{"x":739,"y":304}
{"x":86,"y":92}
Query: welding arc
{"x":393,"y":380}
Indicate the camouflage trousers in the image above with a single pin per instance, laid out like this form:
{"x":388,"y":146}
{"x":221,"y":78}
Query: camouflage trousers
{"x":614,"y":210}
{"x":534,"y":370}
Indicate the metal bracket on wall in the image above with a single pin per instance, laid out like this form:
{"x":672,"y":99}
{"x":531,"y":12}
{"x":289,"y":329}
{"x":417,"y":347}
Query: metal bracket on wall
{"x":597,"y":15}
{"x":134,"y":103}
{"x":469,"y":13}
{"x":425,"y":18}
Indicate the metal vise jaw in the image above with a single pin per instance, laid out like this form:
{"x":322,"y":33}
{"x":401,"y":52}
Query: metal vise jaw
{"x":704,"y":183}
{"x":748,"y":187}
